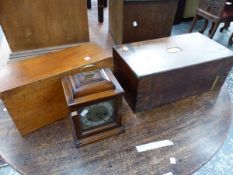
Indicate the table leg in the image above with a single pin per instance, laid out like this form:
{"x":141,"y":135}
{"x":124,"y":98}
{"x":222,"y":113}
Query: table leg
{"x":101,"y":10}
{"x":89,"y":4}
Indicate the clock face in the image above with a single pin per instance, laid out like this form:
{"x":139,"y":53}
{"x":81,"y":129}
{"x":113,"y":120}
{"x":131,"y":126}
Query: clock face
{"x":97,"y":114}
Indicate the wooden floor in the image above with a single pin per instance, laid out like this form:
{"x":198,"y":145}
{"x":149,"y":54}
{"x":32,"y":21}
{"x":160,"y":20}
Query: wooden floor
{"x":99,"y":31}
{"x":196,"y":126}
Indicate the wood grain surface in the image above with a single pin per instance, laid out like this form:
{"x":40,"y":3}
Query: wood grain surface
{"x":197,"y":126}
{"x":154,"y":19}
{"x":31,"y":89}
{"x":42,"y":23}
{"x":116,"y":20}
{"x":152,"y":75}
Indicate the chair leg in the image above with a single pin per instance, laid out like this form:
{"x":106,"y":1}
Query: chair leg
{"x":105,"y":3}
{"x":100,"y":10}
{"x":204,"y":26}
{"x":216,"y":24}
{"x":193,"y":23}
{"x":89,"y":4}
{"x":211,"y":28}
{"x":230,"y":41}
{"x":226,"y":26}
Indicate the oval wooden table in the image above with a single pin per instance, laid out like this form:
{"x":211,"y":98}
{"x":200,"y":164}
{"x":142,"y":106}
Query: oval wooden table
{"x":197,"y":126}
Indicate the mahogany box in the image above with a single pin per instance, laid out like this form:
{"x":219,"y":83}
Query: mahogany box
{"x":160,"y":71}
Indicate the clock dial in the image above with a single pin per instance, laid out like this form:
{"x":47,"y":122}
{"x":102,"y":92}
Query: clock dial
{"x":97,"y":115}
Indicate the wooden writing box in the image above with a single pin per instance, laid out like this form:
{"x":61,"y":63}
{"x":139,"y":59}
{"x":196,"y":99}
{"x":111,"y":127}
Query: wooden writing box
{"x":160,"y":71}
{"x":31,"y":89}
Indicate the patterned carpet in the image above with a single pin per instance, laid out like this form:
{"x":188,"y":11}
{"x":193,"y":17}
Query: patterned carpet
{"x":222,"y":162}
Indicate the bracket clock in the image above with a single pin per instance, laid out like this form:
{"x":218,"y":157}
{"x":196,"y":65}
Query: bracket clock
{"x":95,"y":101}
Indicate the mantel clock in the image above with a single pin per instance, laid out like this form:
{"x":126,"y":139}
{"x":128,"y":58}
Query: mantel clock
{"x":94,"y":99}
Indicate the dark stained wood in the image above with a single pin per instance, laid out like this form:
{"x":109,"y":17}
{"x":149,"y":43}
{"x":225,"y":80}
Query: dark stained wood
{"x":216,"y":11}
{"x":81,"y":92}
{"x":101,"y":10}
{"x":179,"y":11}
{"x":31,"y":89}
{"x":41,"y":23}
{"x":116,"y":20}
{"x":154,"y":19}
{"x":152,"y":76}
{"x":101,"y":5}
{"x":105,"y":3}
{"x":73,"y":99}
{"x":197,"y":126}
{"x":230,"y":41}
{"x":89,"y":4}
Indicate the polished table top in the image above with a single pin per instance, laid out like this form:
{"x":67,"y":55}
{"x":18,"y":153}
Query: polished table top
{"x":193,"y":130}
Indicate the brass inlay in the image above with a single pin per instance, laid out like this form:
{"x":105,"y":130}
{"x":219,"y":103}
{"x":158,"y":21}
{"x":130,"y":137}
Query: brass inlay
{"x":215,"y":82}
{"x":174,"y":49}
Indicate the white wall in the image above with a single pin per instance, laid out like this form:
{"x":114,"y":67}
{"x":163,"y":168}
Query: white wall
{"x":4,"y":49}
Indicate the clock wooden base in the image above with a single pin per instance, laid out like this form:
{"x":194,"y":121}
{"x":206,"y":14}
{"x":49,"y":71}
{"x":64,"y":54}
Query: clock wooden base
{"x":99,"y":136}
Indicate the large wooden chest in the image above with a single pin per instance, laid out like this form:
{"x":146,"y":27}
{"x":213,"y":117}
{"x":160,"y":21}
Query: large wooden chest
{"x":160,"y":71}
{"x":31,"y":89}
{"x":139,"y":20}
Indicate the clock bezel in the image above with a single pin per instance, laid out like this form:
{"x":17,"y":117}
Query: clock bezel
{"x":76,"y":124}
{"x":112,"y":117}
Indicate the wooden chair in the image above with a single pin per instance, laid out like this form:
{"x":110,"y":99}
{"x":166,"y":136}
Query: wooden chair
{"x":216,"y":11}
{"x":230,"y":41}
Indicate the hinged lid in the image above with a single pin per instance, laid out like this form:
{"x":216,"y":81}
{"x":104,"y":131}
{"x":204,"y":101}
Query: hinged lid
{"x":170,"y":53}
{"x":92,"y":82}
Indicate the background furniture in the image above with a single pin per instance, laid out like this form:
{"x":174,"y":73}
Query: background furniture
{"x":41,"y":23}
{"x":100,"y":10}
{"x":138,"y":20}
{"x":31,"y":89}
{"x":179,"y":11}
{"x":89,"y":4}
{"x":105,"y":3}
{"x":230,"y":41}
{"x":101,"y":5}
{"x":185,"y":9}
{"x":190,"y":8}
{"x":216,"y":11}
{"x":197,"y":126}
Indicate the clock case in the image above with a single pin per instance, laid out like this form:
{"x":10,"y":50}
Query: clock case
{"x":88,"y":88}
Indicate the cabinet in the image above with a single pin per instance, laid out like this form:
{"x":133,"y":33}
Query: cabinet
{"x":138,"y":20}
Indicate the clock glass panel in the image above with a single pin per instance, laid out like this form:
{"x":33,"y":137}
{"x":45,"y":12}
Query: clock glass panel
{"x":97,"y":114}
